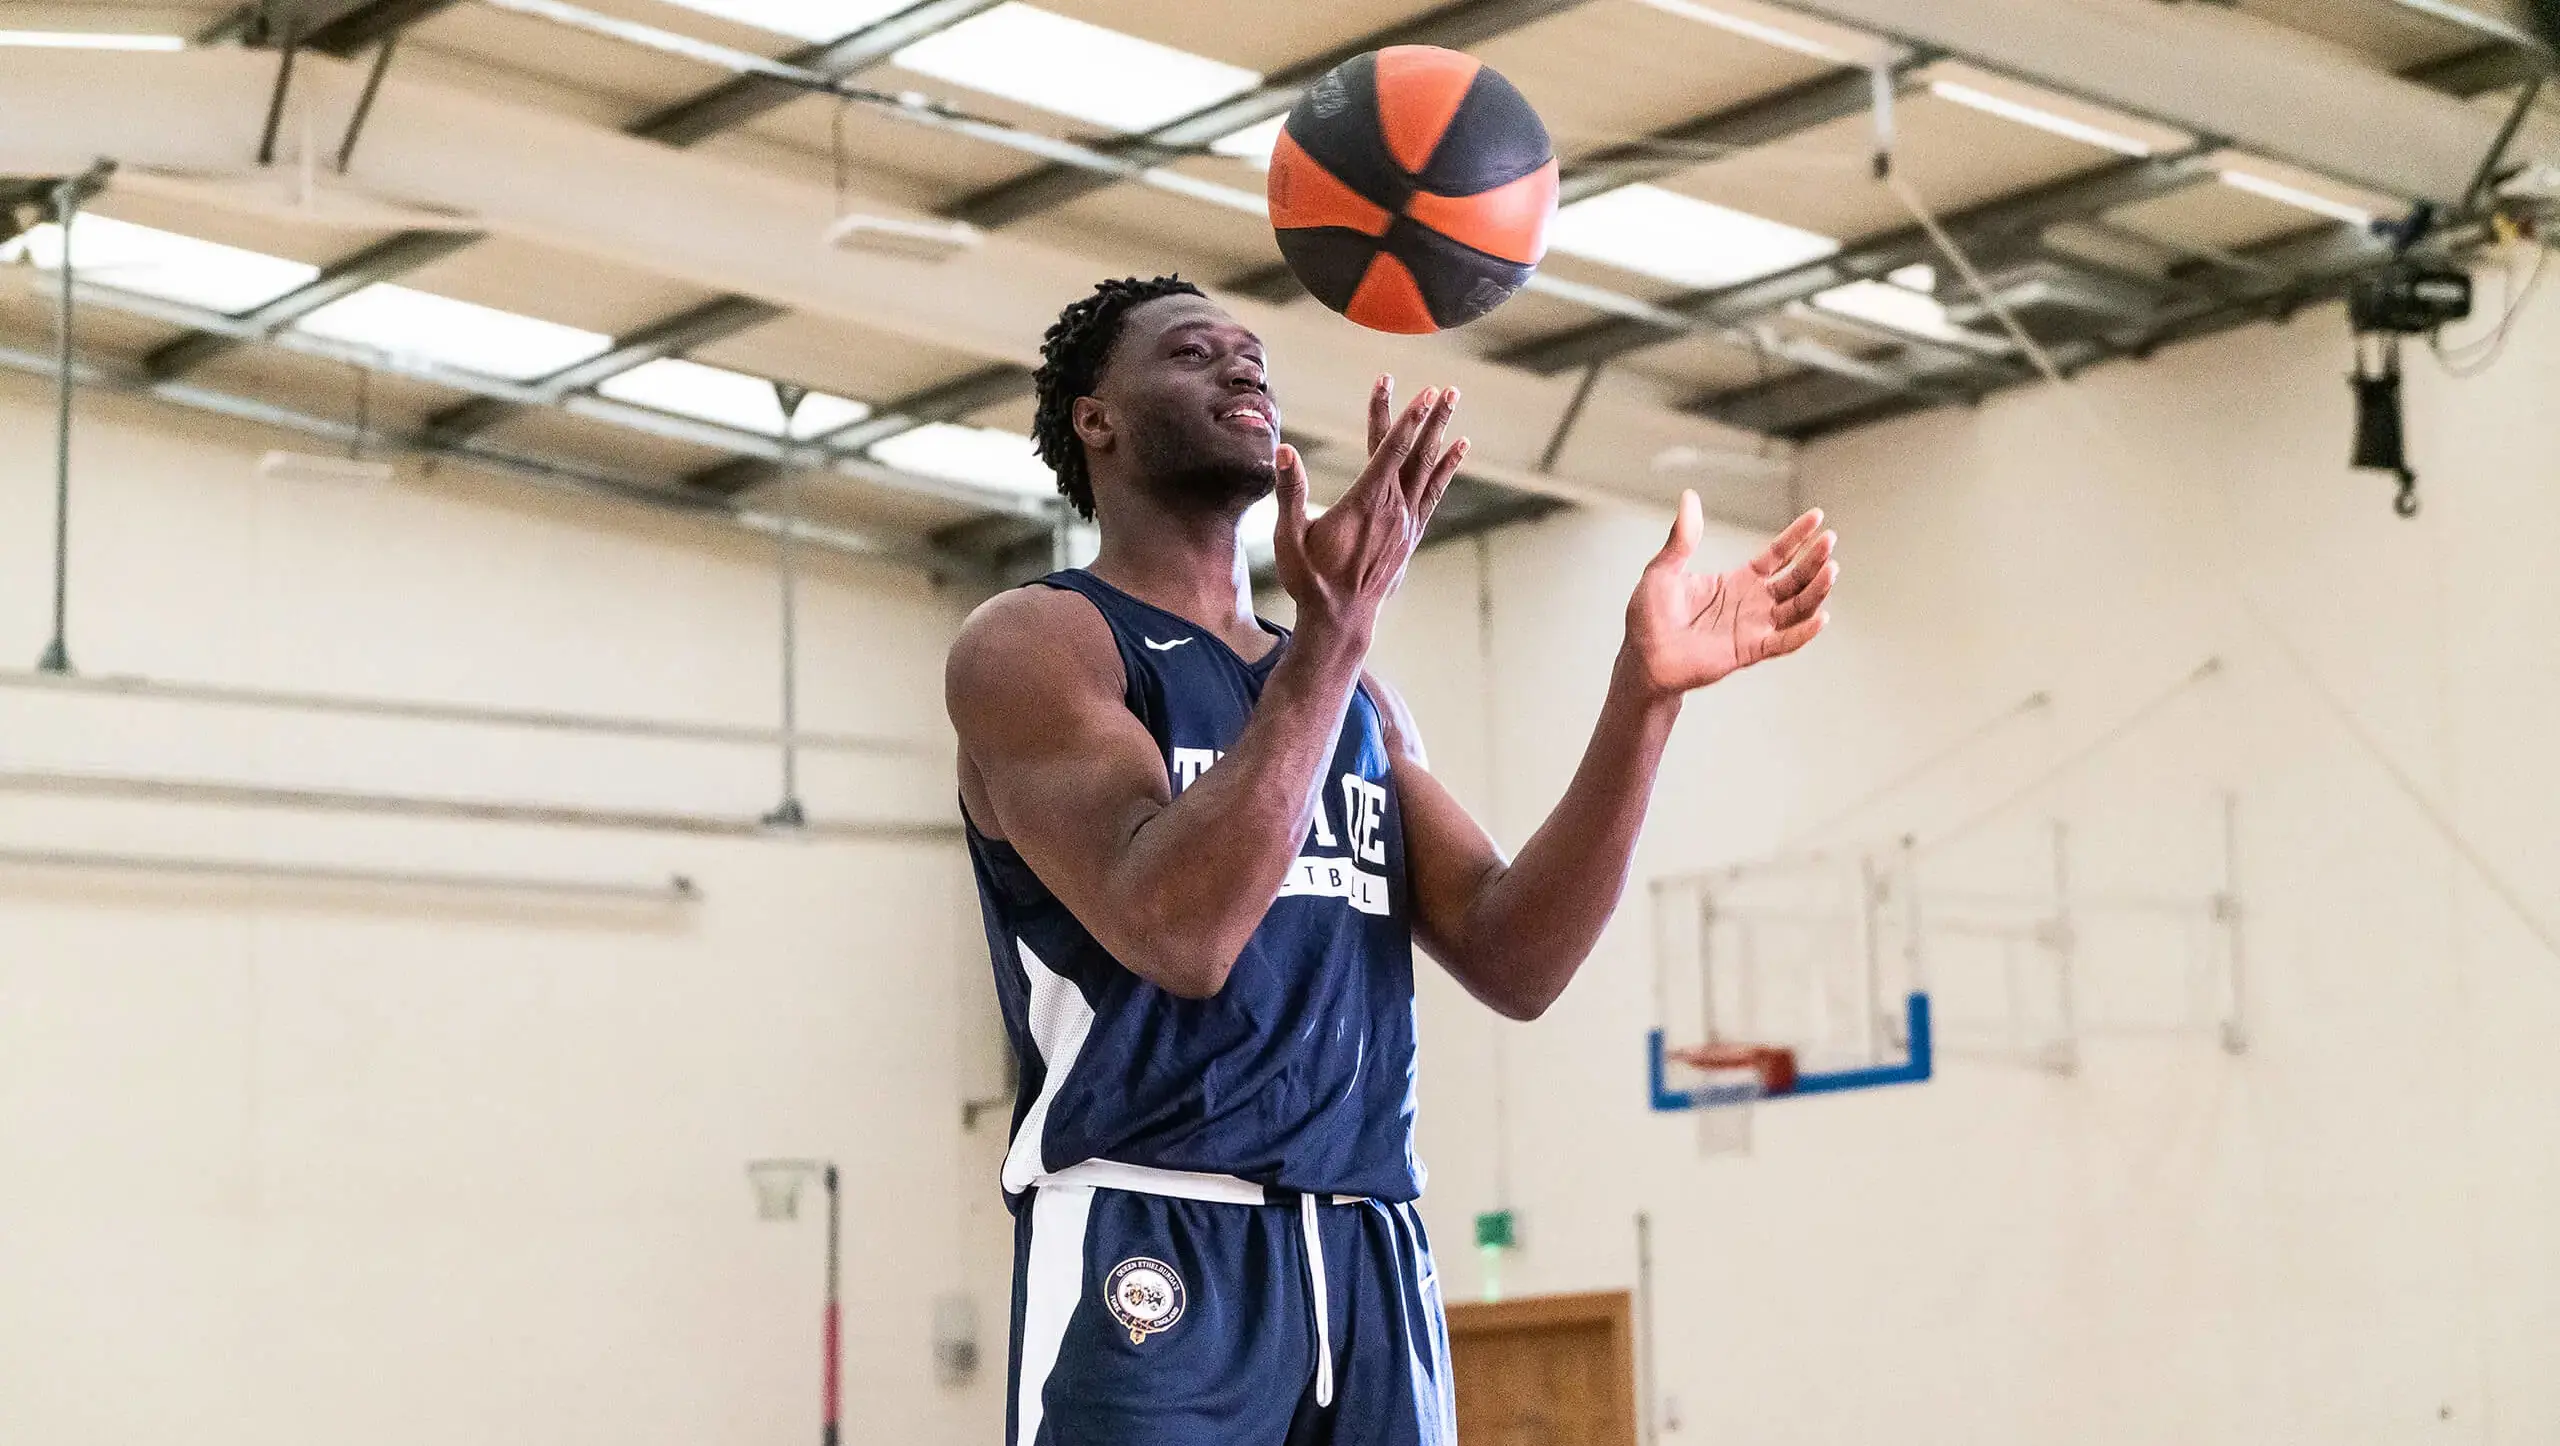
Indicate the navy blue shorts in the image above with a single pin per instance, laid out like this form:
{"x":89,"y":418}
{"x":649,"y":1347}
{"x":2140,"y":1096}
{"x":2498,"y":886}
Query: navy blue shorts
{"x":1146,"y":1320}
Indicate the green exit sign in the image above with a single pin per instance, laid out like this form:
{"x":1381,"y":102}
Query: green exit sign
{"x":1494,"y":1231}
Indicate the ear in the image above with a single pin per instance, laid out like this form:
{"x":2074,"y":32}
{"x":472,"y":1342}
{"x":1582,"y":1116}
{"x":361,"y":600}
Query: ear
{"x":1092,"y":422}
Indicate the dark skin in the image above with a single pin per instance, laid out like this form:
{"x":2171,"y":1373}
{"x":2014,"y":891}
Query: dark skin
{"x":1179,"y":429}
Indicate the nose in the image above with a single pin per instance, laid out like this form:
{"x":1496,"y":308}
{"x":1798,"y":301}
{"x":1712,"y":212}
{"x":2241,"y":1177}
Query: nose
{"x":1243,"y":373}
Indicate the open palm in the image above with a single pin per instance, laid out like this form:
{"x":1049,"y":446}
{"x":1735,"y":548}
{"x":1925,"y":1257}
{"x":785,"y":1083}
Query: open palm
{"x":1687,"y":630}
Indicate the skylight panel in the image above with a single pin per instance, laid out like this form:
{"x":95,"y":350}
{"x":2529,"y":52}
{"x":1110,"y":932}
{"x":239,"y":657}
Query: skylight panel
{"x":1075,"y":69}
{"x":813,"y":20}
{"x":439,"y":329}
{"x":1889,"y":305}
{"x":1679,"y":238}
{"x":982,"y":456}
{"x":1253,"y":144}
{"x":162,"y":263}
{"x":90,"y":40}
{"x":732,"y":399}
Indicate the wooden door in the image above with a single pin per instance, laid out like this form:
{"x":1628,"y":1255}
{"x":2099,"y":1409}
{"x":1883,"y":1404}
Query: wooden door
{"x":1556,"y":1370}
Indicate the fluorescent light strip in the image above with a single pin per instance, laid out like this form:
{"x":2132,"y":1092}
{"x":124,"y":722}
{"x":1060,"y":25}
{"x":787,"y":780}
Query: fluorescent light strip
{"x":2298,"y":198}
{"x":1679,"y":238}
{"x":1765,"y":33}
{"x":2043,"y":120}
{"x":813,"y":20}
{"x":89,"y":40}
{"x":1075,"y":69}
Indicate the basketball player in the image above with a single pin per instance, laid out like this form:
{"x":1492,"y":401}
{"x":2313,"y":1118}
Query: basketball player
{"x":1205,"y":846}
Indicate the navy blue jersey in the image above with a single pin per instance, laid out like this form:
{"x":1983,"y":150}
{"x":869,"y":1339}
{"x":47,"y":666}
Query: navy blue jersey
{"x":1299,"y":1073}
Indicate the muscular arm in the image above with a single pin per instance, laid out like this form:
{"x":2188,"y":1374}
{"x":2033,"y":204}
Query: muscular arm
{"x":1515,"y":931}
{"x":1053,"y":761}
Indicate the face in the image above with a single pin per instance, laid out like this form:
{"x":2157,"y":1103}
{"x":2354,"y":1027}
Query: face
{"x":1183,"y":410}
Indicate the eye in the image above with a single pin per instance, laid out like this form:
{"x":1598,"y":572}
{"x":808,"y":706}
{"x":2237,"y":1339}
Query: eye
{"x":1191,"y":349}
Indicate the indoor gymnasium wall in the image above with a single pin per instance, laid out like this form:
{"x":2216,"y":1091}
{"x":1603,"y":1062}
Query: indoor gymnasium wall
{"x":290,"y":1163}
{"x":2346,"y":1234}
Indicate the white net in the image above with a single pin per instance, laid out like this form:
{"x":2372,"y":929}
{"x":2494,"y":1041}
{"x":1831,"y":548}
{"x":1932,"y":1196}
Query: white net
{"x":777,"y":1185}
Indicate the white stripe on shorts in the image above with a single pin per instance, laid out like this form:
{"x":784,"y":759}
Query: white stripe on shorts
{"x":1052,"y":1283}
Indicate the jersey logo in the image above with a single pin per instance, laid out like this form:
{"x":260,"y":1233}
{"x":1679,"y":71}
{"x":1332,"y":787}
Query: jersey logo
{"x":1164,"y":647}
{"x":1144,"y":1295}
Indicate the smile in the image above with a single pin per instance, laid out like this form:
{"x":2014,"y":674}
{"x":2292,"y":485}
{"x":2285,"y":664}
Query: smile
{"x":1247,"y":416}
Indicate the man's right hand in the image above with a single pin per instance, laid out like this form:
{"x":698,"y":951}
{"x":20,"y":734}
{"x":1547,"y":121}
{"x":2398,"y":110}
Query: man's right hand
{"x":1341,"y":567}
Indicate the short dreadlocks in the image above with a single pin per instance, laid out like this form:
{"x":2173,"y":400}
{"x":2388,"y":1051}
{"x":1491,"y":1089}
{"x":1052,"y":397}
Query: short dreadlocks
{"x":1072,"y":355}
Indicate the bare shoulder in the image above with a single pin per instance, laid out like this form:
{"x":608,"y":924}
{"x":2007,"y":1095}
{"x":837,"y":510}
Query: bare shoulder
{"x":1029,"y":644}
{"x":1404,"y":736}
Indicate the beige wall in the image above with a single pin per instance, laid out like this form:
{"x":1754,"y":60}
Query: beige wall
{"x":282,"y":1164}
{"x":2351,"y":1233}
{"x":285,"y":1164}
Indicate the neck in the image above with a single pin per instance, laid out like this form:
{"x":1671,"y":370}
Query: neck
{"x":1189,"y":564}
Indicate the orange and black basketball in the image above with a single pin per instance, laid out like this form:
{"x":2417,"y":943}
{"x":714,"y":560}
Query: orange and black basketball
{"x":1411,"y":188}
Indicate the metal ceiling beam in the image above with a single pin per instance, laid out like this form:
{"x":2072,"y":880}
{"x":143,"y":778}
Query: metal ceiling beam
{"x":684,"y":214}
{"x":2267,"y":89}
{"x":2477,"y":72}
{"x":335,"y":27}
{"x":1452,"y":27}
{"x":2285,"y":275}
{"x":389,"y":257}
{"x":733,"y":103}
{"x":551,"y":472}
{"x":722,"y":316}
{"x":645,"y":420}
{"x":1988,"y":224}
{"x":1765,"y":121}
{"x":950,"y":401}
{"x":685,"y":123}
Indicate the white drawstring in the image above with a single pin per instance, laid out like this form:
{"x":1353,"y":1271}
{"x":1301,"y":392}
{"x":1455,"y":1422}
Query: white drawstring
{"x":1324,"y":1323}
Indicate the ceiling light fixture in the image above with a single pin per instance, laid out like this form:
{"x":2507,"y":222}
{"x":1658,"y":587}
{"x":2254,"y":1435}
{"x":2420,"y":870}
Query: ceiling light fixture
{"x":1680,"y":238}
{"x":1073,"y":68}
{"x":2297,"y":197}
{"x":2042,"y":119}
{"x":90,"y":40}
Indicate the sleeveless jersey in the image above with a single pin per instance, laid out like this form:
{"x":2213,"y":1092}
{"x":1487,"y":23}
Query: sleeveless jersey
{"x":1299,"y":1072}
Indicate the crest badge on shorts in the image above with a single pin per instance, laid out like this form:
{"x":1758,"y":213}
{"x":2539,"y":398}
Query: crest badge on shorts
{"x":1144,"y":1295}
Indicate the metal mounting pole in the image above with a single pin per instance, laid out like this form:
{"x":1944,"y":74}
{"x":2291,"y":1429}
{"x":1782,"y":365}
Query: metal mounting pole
{"x":2226,"y":912}
{"x":789,"y":813}
{"x":2064,"y":940}
{"x":67,"y":197}
{"x":830,"y":1431}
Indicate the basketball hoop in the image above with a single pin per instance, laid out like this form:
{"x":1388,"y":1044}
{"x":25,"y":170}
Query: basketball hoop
{"x":777,"y":1184}
{"x":1774,"y":1064}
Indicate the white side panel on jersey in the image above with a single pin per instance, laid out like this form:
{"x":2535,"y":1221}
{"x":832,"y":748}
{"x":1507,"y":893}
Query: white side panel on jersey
{"x":1052,"y":1283}
{"x":1060,"y":1019}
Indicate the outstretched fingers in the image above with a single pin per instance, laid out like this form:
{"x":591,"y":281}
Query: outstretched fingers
{"x":1787,"y":639}
{"x":1387,"y":460}
{"x":1808,"y":563}
{"x":1785,"y":546}
{"x":1427,"y":450}
{"x":1808,"y":599}
{"x":1382,"y":409}
{"x":1442,"y":474}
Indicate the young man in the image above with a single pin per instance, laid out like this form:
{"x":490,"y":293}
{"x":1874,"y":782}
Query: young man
{"x":1205,"y":846}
